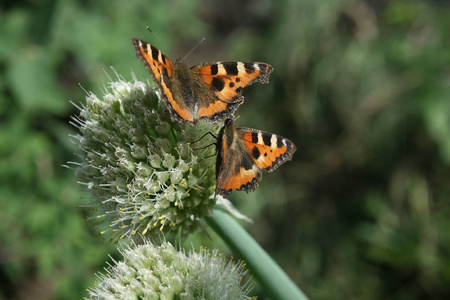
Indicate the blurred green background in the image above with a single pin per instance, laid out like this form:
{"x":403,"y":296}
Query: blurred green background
{"x":361,"y":87}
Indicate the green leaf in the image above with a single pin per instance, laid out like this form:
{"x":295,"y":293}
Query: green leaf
{"x":34,"y":82}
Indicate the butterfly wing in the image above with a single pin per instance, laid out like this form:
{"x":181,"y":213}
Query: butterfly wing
{"x":226,"y":81}
{"x":162,"y":71}
{"x":235,"y":169}
{"x":155,"y":61}
{"x":244,"y":154}
{"x":268,"y":150}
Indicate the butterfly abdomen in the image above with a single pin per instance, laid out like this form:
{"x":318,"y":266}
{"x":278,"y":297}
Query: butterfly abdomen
{"x":219,"y":160}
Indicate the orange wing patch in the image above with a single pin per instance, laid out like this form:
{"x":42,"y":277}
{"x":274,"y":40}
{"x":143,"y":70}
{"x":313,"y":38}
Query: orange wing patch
{"x":211,"y":109}
{"x":217,"y":110}
{"x":243,"y":180}
{"x":265,"y":156}
{"x":227,"y":79}
{"x":268,"y":150}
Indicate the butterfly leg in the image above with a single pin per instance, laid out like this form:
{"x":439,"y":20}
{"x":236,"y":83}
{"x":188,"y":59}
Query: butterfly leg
{"x":207,"y":146}
{"x":214,"y":154}
{"x":209,"y":132}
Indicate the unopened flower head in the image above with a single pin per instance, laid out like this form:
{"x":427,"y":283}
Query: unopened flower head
{"x":139,"y":166}
{"x":162,"y":272}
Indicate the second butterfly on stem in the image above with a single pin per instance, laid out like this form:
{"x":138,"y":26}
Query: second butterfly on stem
{"x":243,"y":154}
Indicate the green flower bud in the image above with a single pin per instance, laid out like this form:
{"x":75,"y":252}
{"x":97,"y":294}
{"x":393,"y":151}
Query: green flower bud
{"x":138,"y":164}
{"x":161,"y":272}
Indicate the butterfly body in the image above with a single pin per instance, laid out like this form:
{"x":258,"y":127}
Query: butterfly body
{"x":244,"y":154}
{"x":209,"y":91}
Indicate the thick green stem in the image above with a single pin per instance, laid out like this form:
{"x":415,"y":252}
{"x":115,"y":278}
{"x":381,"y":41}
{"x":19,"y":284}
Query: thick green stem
{"x":268,"y":274}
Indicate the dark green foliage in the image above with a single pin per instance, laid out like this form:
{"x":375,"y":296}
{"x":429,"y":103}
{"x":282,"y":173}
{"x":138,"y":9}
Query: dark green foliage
{"x":361,"y":87}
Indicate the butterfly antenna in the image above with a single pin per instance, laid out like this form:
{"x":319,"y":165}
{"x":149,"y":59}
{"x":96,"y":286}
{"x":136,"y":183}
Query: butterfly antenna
{"x":192,"y":50}
{"x":159,"y":39}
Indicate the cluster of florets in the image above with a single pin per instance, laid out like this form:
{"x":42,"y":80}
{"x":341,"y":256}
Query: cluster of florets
{"x":139,"y":165}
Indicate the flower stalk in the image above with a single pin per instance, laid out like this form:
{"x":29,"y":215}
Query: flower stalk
{"x":267,"y":273}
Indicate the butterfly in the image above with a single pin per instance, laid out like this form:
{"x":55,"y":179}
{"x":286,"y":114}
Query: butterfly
{"x":209,"y":92}
{"x":244,"y":154}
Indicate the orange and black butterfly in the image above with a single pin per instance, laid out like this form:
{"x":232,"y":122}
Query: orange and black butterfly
{"x":244,"y":154}
{"x":208,"y":92}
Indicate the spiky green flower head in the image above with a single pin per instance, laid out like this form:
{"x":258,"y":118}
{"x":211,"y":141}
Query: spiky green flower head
{"x":161,"y":272}
{"x":139,"y":165}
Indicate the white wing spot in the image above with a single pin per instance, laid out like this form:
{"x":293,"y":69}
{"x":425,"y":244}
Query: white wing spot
{"x":260,"y":138}
{"x":284,"y":142}
{"x":273,"y":141}
{"x":241,"y":68}
{"x":220,"y":69}
{"x":256,"y":66}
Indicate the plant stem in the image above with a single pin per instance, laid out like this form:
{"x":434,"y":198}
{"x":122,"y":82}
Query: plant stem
{"x":267,"y":273}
